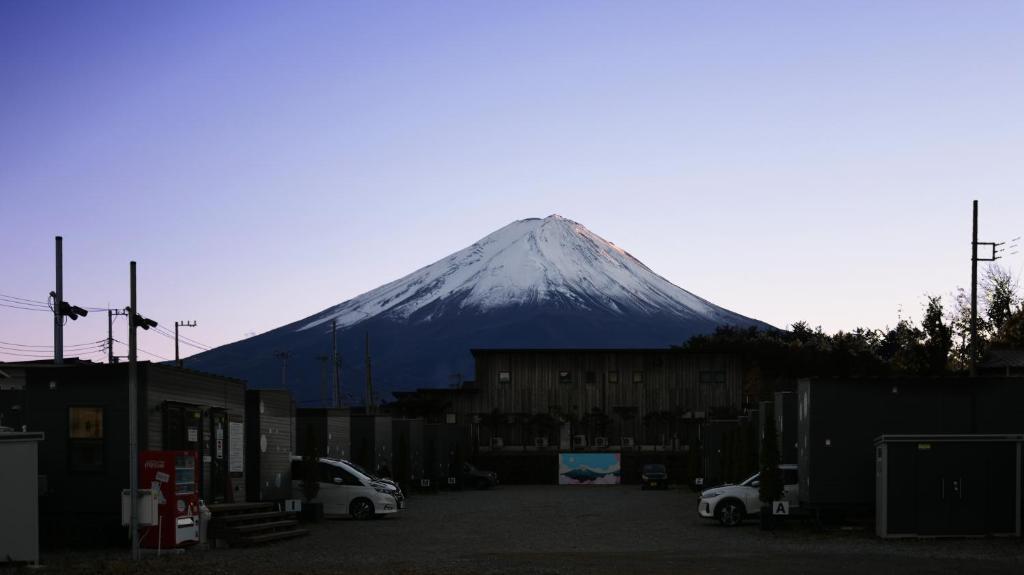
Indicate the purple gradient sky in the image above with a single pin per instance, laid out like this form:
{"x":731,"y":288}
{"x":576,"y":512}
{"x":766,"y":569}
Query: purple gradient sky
{"x":263,"y":161}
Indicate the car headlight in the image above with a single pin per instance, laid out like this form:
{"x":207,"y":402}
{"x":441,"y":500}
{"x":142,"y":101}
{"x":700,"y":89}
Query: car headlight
{"x":381,"y":490}
{"x":709,"y":494}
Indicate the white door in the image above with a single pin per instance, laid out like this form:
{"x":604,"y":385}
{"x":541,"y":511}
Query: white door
{"x":341,"y":486}
{"x":332,"y":490}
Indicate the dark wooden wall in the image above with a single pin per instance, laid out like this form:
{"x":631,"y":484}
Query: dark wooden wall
{"x":170,"y":384}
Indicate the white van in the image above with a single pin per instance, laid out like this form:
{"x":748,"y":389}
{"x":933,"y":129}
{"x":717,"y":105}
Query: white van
{"x":346,"y":491}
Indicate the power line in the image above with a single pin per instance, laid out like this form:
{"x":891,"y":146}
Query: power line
{"x":44,"y":353}
{"x":197,"y":344}
{"x":183,"y":340}
{"x":4,"y":304}
{"x":38,"y":355}
{"x":26,"y":300}
{"x":50,"y":345}
{"x":146,"y":352}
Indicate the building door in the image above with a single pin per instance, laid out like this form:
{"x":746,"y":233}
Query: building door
{"x":182,"y":427}
{"x":218,"y":450}
{"x":183,"y":430}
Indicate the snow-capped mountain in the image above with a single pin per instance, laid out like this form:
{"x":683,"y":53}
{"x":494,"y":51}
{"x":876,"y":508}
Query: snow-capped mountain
{"x":534,"y":283}
{"x":530,"y":262}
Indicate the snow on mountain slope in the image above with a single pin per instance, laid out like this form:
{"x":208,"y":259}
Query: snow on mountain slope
{"x":532,"y":261}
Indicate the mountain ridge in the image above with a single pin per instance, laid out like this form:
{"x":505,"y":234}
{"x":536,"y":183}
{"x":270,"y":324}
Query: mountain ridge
{"x":534,"y":283}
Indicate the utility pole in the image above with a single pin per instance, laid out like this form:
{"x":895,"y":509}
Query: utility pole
{"x":135,"y":320}
{"x":323,"y":378}
{"x":370,"y":407}
{"x":111,"y":358}
{"x":110,"y":335}
{"x":58,"y":301}
{"x":975,"y":347}
{"x":133,"y":426}
{"x":336,"y":360}
{"x":177,"y":360}
{"x":283,"y":356}
{"x":61,"y":308}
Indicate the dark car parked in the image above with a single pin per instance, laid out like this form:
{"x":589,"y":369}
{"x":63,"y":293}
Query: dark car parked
{"x":478,"y":478}
{"x":654,"y":476}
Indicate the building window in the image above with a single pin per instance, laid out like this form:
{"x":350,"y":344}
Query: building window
{"x":85,"y":439}
{"x":638,"y":376}
{"x":712,"y":376}
{"x":504,"y":377}
{"x":613,"y":377}
{"x":590,"y":377}
{"x":449,"y":418}
{"x":564,"y":377}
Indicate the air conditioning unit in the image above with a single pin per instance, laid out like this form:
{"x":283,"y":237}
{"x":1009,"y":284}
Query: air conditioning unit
{"x":540,"y":441}
{"x":579,"y":441}
{"x":497,"y":443}
{"x":600,"y":442}
{"x":628,"y":442}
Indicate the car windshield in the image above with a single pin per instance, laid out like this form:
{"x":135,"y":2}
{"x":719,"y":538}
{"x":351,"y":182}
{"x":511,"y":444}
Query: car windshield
{"x":357,"y":470}
{"x":654,"y":468}
{"x":751,"y":479}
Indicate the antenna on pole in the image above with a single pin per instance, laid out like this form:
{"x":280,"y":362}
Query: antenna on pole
{"x":370,"y":407}
{"x":323,"y":378}
{"x":283,"y":356}
{"x":975,"y":347}
{"x":337,"y":363}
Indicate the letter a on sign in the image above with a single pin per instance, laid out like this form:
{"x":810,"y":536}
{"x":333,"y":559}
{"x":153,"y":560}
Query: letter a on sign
{"x":780,"y":508}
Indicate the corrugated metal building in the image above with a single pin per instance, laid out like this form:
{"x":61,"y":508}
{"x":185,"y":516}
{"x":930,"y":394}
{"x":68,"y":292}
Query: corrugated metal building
{"x":839,"y":419}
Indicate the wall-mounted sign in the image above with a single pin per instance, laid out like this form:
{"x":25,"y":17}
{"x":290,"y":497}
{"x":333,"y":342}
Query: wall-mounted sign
{"x":236,"y":447}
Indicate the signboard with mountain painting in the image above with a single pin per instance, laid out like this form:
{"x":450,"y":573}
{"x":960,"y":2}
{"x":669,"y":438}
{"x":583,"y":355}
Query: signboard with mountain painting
{"x":589,"y":469}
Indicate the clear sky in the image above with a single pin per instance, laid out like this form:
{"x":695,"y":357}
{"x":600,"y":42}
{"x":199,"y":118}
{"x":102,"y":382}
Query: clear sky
{"x":263,"y":161}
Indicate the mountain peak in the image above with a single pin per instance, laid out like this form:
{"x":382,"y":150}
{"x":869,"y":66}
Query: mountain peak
{"x":554,"y":261}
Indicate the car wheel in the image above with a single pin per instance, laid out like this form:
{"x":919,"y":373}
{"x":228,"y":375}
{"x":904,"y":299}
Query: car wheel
{"x":361,"y":509}
{"x":730,"y":513}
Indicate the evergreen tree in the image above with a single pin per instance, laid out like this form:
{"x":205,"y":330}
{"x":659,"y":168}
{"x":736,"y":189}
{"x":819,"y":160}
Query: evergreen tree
{"x":939,"y":336}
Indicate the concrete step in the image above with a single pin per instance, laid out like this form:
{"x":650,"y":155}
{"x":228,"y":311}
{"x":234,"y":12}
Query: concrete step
{"x":231,"y":508}
{"x":273,"y":536}
{"x":266,"y":526}
{"x":249,"y":517}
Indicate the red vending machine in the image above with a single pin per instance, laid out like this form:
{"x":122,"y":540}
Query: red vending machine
{"x":174,"y":475}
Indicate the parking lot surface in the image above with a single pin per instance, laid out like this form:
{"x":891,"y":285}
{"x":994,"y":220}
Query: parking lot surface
{"x":568,"y":530}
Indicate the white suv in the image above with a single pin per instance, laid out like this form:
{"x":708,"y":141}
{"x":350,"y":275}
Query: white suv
{"x":731,"y":504}
{"x":347,"y":491}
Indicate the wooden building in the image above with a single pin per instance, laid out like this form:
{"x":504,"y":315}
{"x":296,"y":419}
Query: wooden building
{"x":329,"y":429}
{"x":372,"y":442}
{"x":270,"y":416}
{"x":82,"y":407}
{"x":597,"y":398}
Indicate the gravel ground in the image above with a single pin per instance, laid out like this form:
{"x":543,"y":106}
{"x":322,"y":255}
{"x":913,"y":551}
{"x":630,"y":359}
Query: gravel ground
{"x":568,"y":530}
